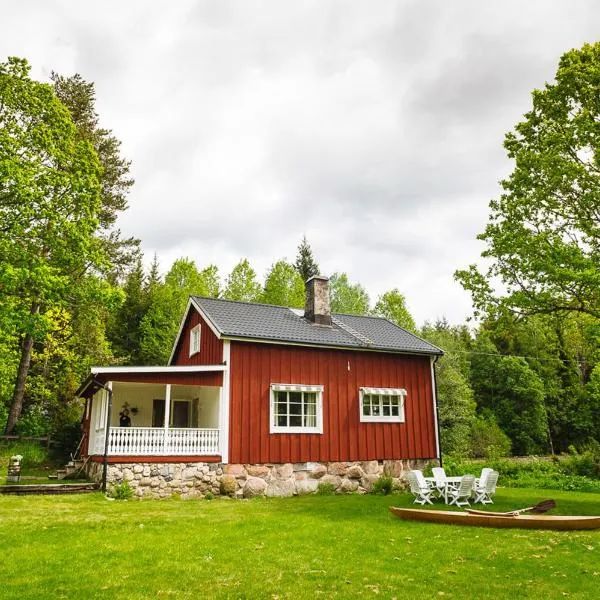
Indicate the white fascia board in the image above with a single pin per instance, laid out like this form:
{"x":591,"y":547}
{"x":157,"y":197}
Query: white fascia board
{"x":181,"y":324}
{"x":143,"y":370}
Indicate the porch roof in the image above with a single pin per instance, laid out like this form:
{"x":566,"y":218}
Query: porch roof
{"x":100,"y":375}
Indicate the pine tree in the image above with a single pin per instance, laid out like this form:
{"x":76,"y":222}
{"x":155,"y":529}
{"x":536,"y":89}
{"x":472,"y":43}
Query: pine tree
{"x":305,"y":263}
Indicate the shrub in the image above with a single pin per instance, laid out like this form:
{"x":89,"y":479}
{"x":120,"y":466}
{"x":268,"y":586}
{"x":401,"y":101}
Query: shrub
{"x":122,"y":491}
{"x":325,"y":489}
{"x":383,"y":486}
{"x":487,"y":439}
{"x":33,"y":423}
{"x":209,"y":496}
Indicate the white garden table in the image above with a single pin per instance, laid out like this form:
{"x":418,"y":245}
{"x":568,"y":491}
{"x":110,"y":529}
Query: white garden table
{"x":450,"y":483}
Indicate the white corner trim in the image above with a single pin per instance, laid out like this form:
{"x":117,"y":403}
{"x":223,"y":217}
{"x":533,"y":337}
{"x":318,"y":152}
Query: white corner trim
{"x":435,"y":408}
{"x":181,"y":324}
{"x":225,"y":401}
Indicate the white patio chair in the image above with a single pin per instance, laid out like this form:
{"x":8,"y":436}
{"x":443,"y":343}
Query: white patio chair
{"x":464,"y":491}
{"x":419,"y":487}
{"x":483,"y":493}
{"x":440,"y":480}
{"x":480,"y":481}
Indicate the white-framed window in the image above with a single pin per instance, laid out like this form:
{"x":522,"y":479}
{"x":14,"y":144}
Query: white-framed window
{"x":296,"y":408}
{"x":382,"y":405}
{"x":195,"y":340}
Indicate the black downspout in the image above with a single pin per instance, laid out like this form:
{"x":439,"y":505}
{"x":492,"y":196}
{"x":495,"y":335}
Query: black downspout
{"x":106,"y":439}
{"x":437,"y":410}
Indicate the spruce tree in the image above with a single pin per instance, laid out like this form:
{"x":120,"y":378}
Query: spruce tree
{"x":305,"y":263}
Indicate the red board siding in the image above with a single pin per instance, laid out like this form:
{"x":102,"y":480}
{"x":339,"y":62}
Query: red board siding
{"x":203,"y":378}
{"x":211,"y":347}
{"x":254,"y":367}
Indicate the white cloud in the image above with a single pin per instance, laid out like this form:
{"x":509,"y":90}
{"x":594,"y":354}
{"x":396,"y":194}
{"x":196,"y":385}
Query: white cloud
{"x":376,"y":129}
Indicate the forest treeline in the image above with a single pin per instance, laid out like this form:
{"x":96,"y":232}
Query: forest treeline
{"x":522,"y":379}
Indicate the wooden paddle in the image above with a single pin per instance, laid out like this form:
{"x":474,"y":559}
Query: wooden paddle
{"x":540,"y":507}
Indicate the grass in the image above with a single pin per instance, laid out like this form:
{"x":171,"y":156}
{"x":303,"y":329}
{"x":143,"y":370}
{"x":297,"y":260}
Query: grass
{"x":308,"y":547}
{"x":37,"y":464}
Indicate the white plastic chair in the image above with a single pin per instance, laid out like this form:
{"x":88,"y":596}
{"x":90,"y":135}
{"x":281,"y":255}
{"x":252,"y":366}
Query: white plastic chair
{"x":440,"y":480}
{"x":484,"y":473}
{"x":464,"y":491}
{"x":483,"y":493}
{"x":419,"y":487}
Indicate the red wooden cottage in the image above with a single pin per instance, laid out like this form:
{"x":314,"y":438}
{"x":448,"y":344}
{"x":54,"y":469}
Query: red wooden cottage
{"x":262,"y":399}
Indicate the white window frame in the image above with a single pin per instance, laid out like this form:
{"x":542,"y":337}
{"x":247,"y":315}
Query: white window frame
{"x":283,"y":387}
{"x":382,"y":393}
{"x":195,"y":348}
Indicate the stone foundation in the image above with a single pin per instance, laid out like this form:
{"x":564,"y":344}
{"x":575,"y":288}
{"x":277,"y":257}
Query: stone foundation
{"x":196,"y":480}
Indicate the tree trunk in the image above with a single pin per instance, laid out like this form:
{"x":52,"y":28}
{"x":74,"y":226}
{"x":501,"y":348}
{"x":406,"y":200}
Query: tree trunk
{"x":19,"y":392}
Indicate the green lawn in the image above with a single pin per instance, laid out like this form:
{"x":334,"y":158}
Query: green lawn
{"x":309,"y":547}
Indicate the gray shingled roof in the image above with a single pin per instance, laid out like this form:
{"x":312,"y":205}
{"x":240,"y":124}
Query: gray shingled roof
{"x":278,"y":323}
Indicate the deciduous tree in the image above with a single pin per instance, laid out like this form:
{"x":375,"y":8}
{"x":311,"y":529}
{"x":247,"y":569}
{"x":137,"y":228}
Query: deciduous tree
{"x":283,"y":286}
{"x":543,"y":235}
{"x":347,"y":297}
{"x":50,"y":203}
{"x":392,"y":306}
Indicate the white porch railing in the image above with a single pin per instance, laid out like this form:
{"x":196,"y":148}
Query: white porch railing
{"x":140,"y":441}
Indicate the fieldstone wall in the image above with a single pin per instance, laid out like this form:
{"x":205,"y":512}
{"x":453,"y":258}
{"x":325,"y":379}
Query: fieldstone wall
{"x":195,"y":480}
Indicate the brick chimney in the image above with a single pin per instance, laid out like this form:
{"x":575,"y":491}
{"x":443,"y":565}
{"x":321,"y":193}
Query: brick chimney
{"x":317,"y":309}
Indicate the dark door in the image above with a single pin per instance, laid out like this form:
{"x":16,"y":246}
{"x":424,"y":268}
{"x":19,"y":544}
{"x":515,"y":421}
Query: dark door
{"x":158,"y":413}
{"x":180,"y":414}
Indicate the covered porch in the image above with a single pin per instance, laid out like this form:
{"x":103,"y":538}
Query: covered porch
{"x":177,"y":412}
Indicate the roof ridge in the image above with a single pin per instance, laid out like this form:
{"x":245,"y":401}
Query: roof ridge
{"x":245,"y":302}
{"x":359,"y":336}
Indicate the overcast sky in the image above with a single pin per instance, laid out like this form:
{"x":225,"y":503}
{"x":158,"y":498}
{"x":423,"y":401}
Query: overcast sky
{"x":375,"y":128}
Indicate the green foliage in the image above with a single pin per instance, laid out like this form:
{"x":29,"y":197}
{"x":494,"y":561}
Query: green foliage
{"x":283,"y":286}
{"x":392,"y":306}
{"x":166,"y":305}
{"x":305,"y":264}
{"x":563,"y":473}
{"x":50,"y":201}
{"x":121,"y":491}
{"x":33,"y":423}
{"x":209,"y":496}
{"x":487,"y":439}
{"x":346,"y":297}
{"x":543,"y":236}
{"x":241,"y":283}
{"x":514,"y":393}
{"x":33,"y":453}
{"x":456,"y":405}
{"x":383,"y":486}
{"x":325,"y":489}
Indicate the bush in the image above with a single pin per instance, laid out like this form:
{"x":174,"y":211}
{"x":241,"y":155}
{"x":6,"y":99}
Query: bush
{"x":487,"y":439}
{"x":122,"y":491}
{"x":585,"y":463}
{"x":33,"y":423}
{"x":558,"y":473}
{"x":325,"y":489}
{"x":383,"y":486}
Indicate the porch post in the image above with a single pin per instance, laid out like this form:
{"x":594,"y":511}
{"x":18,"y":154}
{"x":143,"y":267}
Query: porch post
{"x":167,"y":416}
{"x":224,"y":408}
{"x":108,"y":394}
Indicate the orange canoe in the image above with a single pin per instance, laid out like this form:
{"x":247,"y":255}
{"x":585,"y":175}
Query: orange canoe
{"x":562,"y":522}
